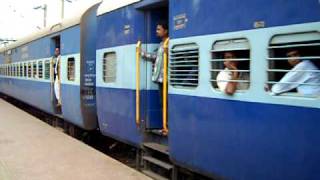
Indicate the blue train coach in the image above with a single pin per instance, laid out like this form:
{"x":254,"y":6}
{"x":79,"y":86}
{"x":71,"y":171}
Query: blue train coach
{"x":252,"y":134}
{"x":27,"y":69}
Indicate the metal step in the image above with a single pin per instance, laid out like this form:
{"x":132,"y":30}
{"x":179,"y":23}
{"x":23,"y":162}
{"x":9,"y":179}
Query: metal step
{"x":157,"y":147}
{"x":158,"y":162}
{"x":157,"y":132}
{"x":153,"y":175}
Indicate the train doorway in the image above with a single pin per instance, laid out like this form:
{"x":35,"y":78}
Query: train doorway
{"x":155,"y":48}
{"x":56,"y":73}
{"x":156,"y":14}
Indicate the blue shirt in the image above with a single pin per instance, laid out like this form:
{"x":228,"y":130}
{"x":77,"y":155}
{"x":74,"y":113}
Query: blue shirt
{"x":297,"y":77}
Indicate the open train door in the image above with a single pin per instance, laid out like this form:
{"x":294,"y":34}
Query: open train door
{"x":153,"y":99}
{"x":150,"y":98}
{"x":55,"y":74}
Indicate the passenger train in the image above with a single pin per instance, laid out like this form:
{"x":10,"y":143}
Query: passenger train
{"x":106,"y":85}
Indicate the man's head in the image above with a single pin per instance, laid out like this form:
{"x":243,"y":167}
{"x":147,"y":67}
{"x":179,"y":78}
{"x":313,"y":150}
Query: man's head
{"x":229,"y":61}
{"x":162,"y":29}
{"x":293,"y":57}
{"x":57,"y":52}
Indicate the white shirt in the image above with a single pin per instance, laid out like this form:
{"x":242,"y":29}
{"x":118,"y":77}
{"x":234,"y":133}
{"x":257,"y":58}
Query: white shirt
{"x":297,"y":76}
{"x":57,"y":61}
{"x":225,"y":76}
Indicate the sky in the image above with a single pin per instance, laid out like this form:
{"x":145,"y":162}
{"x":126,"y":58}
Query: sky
{"x":19,"y":19}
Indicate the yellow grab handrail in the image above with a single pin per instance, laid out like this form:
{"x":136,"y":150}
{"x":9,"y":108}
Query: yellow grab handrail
{"x":138,"y":54}
{"x":165,"y":129}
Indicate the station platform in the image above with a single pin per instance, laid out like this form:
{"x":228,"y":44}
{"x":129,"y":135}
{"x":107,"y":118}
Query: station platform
{"x":31,"y":149}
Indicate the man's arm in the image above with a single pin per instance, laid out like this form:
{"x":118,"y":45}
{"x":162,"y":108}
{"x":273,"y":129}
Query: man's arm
{"x":232,"y":86}
{"x":290,"y":80}
{"x":149,"y":56}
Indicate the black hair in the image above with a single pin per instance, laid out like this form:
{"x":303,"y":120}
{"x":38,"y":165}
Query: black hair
{"x":163,"y":23}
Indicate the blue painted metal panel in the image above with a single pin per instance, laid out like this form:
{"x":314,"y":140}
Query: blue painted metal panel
{"x":241,"y":140}
{"x":151,"y":109}
{"x":217,"y":16}
{"x":71,"y":106}
{"x":70,"y":40}
{"x":31,"y":50}
{"x":111,"y":26}
{"x":34,"y":93}
{"x":116,"y":114}
{"x":121,"y":27}
{"x":148,"y":3}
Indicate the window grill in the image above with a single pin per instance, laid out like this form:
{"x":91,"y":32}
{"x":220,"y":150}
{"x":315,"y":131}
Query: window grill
{"x":21,"y":70}
{"x":13,"y":70}
{"x":184,"y":66}
{"x":34,"y":70}
{"x":308,"y":47}
{"x":9,"y":69}
{"x":109,"y":67}
{"x":47,"y":69}
{"x":40,"y":70}
{"x":25,"y":70}
{"x":29,"y":70}
{"x":71,"y":69}
{"x":221,"y":75}
{"x":17,"y":70}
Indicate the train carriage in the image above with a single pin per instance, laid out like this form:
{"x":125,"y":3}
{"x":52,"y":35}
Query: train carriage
{"x":120,"y":27}
{"x":252,"y":134}
{"x":28,"y":69}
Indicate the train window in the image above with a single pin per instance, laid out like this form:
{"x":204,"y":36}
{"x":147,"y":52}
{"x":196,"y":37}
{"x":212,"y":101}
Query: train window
{"x":18,"y":70}
{"x":21,"y":70}
{"x":71,"y":69}
{"x":109,"y":67}
{"x":9,"y":70}
{"x":25,"y":70}
{"x":40,"y":71}
{"x":12,"y":70}
{"x":15,"y":70}
{"x":230,"y":63}
{"x":184,"y":66}
{"x":34,"y":70}
{"x":294,"y":63}
{"x":29,"y":70}
{"x":47,"y":69}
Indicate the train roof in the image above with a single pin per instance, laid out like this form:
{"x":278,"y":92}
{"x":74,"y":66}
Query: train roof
{"x":51,"y":29}
{"x":109,"y":5}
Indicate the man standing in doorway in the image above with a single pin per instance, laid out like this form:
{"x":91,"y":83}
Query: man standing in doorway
{"x":56,"y":61}
{"x":157,"y":58}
